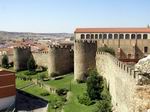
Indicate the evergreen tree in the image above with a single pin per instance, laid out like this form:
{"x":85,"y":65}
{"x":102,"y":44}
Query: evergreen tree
{"x":31,"y":64}
{"x":94,"y":85}
{"x":5,"y":61}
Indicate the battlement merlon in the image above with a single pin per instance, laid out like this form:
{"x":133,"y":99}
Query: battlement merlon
{"x":60,"y":46}
{"x":41,"y":52}
{"x":22,"y":47}
{"x":134,"y":74}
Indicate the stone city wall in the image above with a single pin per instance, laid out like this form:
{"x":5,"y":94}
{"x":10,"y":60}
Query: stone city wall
{"x":122,"y":83}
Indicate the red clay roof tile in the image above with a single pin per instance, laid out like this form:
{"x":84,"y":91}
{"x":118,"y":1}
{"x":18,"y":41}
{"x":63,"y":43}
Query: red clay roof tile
{"x":112,"y":30}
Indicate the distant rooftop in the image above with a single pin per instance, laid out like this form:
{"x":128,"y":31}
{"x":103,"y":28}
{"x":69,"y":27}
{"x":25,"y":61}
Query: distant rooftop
{"x":112,"y":30}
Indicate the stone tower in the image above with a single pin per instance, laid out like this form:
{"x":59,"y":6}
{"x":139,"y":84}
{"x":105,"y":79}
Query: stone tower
{"x":84,"y":57}
{"x":60,"y":59}
{"x":21,"y":56}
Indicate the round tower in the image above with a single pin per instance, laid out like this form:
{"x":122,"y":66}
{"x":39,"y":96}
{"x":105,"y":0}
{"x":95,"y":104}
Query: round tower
{"x":84,"y":58}
{"x":60,"y":60}
{"x":52,"y":60}
{"x":21,"y":56}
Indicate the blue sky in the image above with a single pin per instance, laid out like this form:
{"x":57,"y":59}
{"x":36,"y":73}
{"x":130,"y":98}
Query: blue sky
{"x":66,"y":15}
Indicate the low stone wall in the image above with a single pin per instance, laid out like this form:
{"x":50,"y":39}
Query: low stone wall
{"x":45,"y":86}
{"x":122,"y":82}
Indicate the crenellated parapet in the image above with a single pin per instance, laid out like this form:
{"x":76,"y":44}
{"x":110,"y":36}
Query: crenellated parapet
{"x":22,"y":47}
{"x":123,"y":66}
{"x":60,"y":46}
{"x":41,"y":52}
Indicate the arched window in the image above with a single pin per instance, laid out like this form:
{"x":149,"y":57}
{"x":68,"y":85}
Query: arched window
{"x":127,"y":36}
{"x":110,"y":36}
{"x":115,"y":36}
{"x":87,"y":36}
{"x":92,"y":36}
{"x":100,"y":36}
{"x":121,"y":36}
{"x":82,"y":36}
{"x":145,"y":36}
{"x":96,"y":36}
{"x":104,"y":36}
{"x":133,"y":36}
{"x":139,"y":36}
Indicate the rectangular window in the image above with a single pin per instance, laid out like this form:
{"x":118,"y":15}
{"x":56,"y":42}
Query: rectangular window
{"x":145,"y":49}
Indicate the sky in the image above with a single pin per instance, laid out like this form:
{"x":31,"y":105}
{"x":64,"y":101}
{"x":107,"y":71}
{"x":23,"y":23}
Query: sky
{"x":57,"y":16}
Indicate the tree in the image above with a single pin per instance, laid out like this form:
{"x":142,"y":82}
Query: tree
{"x":107,"y":49}
{"x":5,"y":61}
{"x":31,"y":64}
{"x":94,"y":85}
{"x":103,"y":106}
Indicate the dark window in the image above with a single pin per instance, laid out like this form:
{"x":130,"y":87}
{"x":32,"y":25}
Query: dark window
{"x":139,"y":36}
{"x":96,"y":36}
{"x":105,"y":36}
{"x":100,"y":36}
{"x":127,"y":36}
{"x":121,"y":36}
{"x":133,"y":36}
{"x":115,"y":36}
{"x":129,"y":56}
{"x":110,"y":36}
{"x":92,"y":36}
{"x":145,"y":49}
{"x":145,"y":36}
{"x":82,"y":36}
{"x":88,"y":36}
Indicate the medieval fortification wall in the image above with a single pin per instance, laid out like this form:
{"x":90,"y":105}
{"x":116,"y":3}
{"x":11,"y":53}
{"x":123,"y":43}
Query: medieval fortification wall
{"x":21,"y":56}
{"x":84,"y":58}
{"x":41,"y":58}
{"x":59,"y":59}
{"x":122,"y":83}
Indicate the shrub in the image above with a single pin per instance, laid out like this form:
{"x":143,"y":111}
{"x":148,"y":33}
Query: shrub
{"x":42,"y":76}
{"x":104,"y":106}
{"x":30,"y":73}
{"x":31,"y":64}
{"x":5,"y":61}
{"x":107,"y":49}
{"x":80,"y":81}
{"x":62,"y":91}
{"x":45,"y":94}
{"x":94,"y":85}
{"x":85,"y":100}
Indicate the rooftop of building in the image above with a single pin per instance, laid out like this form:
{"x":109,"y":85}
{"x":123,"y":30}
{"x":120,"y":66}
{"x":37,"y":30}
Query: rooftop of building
{"x":2,"y":71}
{"x":112,"y":30}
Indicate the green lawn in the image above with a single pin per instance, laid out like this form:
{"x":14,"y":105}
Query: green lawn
{"x":76,"y":89}
{"x":72,"y":104}
{"x":61,"y":83}
{"x":21,"y":83}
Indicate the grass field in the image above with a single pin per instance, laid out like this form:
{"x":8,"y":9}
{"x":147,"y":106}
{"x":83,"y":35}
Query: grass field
{"x":76,"y":89}
{"x":21,"y":83}
{"x":72,"y":104}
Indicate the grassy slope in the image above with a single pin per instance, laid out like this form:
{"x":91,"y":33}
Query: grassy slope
{"x":21,"y":83}
{"x":76,"y":89}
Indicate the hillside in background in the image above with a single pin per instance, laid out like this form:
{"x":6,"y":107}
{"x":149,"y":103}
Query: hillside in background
{"x":11,"y":35}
